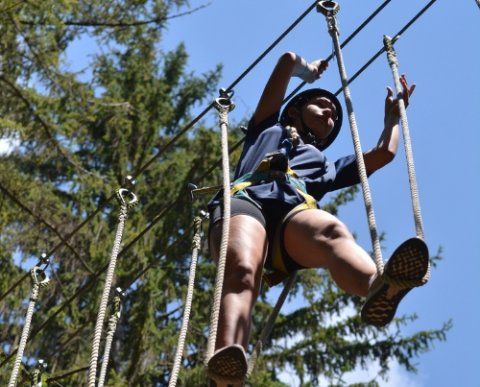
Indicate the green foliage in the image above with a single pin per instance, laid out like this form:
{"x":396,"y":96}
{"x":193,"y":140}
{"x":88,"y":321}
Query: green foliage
{"x":79,"y":137}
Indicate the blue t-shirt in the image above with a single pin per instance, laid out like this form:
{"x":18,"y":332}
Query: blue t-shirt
{"x":310,"y":164}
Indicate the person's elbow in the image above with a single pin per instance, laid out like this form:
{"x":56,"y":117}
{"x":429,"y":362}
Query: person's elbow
{"x":288,"y":57}
{"x":378,"y":158}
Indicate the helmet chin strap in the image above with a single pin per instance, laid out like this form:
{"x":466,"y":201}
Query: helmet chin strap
{"x":309,"y":133}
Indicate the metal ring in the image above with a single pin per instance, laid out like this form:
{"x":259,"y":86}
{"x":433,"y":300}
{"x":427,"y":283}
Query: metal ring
{"x":224,"y":103}
{"x":328,"y":8}
{"x":35,"y":278}
{"x":123,"y":191}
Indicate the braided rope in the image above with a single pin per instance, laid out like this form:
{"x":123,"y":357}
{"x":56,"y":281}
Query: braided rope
{"x":392,"y":60}
{"x":417,"y":214}
{"x":223,"y":108}
{"x":112,"y":327}
{"x":37,"y":284}
{"x":124,"y":206}
{"x":333,"y":30}
{"x":196,"y":244}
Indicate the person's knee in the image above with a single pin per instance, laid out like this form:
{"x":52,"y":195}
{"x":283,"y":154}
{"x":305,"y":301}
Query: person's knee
{"x":335,"y":231}
{"x":241,"y":276}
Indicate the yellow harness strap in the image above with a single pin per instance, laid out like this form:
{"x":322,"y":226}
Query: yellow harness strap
{"x":279,"y":272}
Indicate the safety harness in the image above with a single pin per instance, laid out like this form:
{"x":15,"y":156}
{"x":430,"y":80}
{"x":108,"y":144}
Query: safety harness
{"x":275,"y":167}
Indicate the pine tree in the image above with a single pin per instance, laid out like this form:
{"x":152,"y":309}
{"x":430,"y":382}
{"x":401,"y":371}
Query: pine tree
{"x":78,"y":137}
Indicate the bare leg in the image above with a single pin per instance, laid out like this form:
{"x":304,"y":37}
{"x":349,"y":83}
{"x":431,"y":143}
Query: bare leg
{"x":315,"y":238}
{"x":247,"y":246}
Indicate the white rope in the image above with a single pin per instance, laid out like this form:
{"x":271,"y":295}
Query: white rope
{"x":37,"y":284}
{"x":333,"y":30}
{"x":188,"y":303}
{"x":393,"y":61}
{"x":112,"y":327}
{"x":407,"y":142}
{"x":223,"y":105}
{"x":124,"y":206}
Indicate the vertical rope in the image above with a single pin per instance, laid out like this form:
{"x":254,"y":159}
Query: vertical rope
{"x":124,"y":206}
{"x":223,"y":105}
{"x":196,"y":243}
{"x":326,"y":8}
{"x":112,"y":327}
{"x":407,"y":142}
{"x":393,"y":62}
{"x":267,"y":329}
{"x":37,"y":284}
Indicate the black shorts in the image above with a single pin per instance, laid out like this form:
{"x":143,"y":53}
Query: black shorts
{"x":270,"y":214}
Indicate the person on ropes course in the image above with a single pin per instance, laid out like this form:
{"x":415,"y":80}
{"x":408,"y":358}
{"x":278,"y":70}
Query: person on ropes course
{"x":276,"y":221}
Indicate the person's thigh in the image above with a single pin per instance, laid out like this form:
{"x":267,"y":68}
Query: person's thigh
{"x":309,"y":237}
{"x":247,"y":241}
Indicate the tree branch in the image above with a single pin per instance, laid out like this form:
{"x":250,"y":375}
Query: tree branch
{"x":121,"y":24}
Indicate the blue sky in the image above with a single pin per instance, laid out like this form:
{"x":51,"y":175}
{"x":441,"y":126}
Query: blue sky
{"x":440,"y":54}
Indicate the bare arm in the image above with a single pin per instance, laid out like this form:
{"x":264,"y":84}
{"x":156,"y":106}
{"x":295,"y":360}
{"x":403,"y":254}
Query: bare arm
{"x":288,"y":65}
{"x":387,"y":145}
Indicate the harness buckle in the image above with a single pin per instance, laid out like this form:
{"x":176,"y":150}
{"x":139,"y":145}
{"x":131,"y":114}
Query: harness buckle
{"x":278,"y":161}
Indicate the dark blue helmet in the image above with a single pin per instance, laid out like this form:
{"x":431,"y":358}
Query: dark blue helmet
{"x":304,"y":96}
